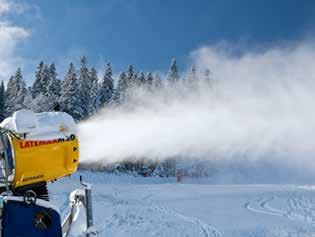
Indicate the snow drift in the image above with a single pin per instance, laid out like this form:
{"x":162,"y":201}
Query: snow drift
{"x":37,"y":126}
{"x":259,"y":108}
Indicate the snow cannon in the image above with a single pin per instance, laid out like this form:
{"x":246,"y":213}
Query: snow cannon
{"x":37,"y":148}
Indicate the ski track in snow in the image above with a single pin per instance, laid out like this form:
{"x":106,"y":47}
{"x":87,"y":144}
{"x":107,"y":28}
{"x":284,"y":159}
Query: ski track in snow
{"x":207,"y":229}
{"x":298,"y":208}
{"x":146,"y":202}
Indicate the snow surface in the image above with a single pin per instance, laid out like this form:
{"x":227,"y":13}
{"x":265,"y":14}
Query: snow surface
{"x":135,"y":206}
{"x":46,"y":125}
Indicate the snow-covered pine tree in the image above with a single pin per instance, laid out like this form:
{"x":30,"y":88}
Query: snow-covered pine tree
{"x":43,"y":102}
{"x":70,"y":100}
{"x":39,"y":104}
{"x":157,"y":81}
{"x":107,"y":86}
{"x":29,"y":90}
{"x":130,"y":74}
{"x":173,"y":76}
{"x":85,"y":86}
{"x":119,"y":96}
{"x":135,"y":80}
{"x":2,"y":101}
{"x":141,"y":79}
{"x":16,"y":93}
{"x":94,"y":94}
{"x":207,"y":78}
{"x":149,"y":81}
{"x":29,"y":101}
{"x":38,"y":83}
{"x":192,"y":78}
{"x":22,"y":90}
{"x":54,"y":85}
{"x":9,"y":94}
{"x":45,"y":80}
{"x":40,"y":89}
{"x":130,"y":83}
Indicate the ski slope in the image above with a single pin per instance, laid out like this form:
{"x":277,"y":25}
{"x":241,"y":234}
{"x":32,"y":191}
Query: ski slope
{"x":136,"y":206}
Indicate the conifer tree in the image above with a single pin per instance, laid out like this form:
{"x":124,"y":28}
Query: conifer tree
{"x":141,"y":79}
{"x":157,"y":81}
{"x":173,"y":76}
{"x":192,"y":78}
{"x":130,"y":74}
{"x":120,"y":90}
{"x":38,"y":83}
{"x":54,"y":85}
{"x":133,"y":84}
{"x":41,"y":100}
{"x":107,"y":86}
{"x":207,"y":78}
{"x":51,"y":89}
{"x":85,"y":86}
{"x":39,"y":104}
{"x":22,"y":91}
{"x":70,"y":100}
{"x":94,"y":94}
{"x":16,"y":93}
{"x":30,"y":102}
{"x":45,"y":80}
{"x":149,"y":81}
{"x":135,"y":80}
{"x":9,"y":94}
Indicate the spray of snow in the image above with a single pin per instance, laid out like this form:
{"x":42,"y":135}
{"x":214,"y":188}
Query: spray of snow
{"x":261,"y":106}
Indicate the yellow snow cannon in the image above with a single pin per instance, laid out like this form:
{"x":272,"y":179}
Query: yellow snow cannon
{"x":38,"y":148}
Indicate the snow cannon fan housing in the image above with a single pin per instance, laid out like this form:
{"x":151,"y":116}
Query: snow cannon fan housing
{"x":40,"y":147}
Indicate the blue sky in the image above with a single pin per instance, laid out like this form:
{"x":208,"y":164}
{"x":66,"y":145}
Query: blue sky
{"x":148,"y":33}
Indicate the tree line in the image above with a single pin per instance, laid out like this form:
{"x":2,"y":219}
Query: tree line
{"x":81,"y":93}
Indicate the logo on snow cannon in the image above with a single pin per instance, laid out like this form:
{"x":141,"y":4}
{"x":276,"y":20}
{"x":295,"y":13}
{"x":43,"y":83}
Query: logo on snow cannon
{"x":35,"y":143}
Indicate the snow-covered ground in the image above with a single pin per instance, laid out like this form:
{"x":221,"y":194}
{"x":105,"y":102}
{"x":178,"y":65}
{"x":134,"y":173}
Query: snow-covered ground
{"x":136,"y":206}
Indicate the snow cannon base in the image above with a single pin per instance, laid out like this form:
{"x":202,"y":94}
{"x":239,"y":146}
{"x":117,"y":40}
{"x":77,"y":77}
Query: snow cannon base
{"x":27,"y":215}
{"x":38,"y":219}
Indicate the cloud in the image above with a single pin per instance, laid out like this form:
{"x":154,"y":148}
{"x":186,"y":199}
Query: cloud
{"x":10,"y":6}
{"x":5,"y":6}
{"x":11,"y":36}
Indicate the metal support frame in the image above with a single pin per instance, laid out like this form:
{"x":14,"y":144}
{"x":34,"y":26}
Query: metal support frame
{"x":88,"y":204}
{"x":86,"y":200}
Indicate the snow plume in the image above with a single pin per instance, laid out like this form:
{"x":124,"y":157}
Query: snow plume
{"x":260,"y":105}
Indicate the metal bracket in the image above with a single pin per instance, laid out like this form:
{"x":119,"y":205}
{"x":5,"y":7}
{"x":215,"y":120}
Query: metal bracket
{"x":88,"y":204}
